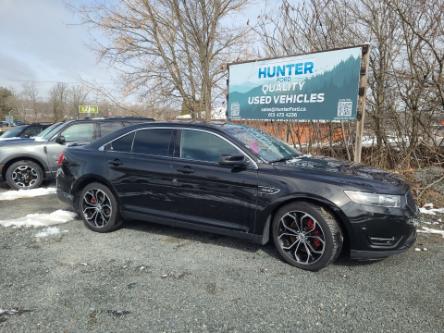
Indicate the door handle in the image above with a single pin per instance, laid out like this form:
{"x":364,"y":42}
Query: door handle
{"x":186,"y":170}
{"x":115,"y":162}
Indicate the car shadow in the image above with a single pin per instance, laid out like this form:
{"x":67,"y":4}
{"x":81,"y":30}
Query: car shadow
{"x":344,"y":260}
{"x":177,"y":235}
{"x":181,"y":234}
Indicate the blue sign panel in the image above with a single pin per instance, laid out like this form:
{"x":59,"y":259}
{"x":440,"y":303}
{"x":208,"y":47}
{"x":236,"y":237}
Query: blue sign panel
{"x":316,"y":86}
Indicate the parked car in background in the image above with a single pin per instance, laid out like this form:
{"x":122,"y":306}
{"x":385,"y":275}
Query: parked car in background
{"x":237,"y":181}
{"x":4,"y":126}
{"x":24,"y":131}
{"x":26,"y":163}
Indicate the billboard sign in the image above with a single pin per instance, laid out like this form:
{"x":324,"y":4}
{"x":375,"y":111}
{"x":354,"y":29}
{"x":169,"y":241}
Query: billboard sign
{"x":88,"y":109}
{"x":315,"y":86}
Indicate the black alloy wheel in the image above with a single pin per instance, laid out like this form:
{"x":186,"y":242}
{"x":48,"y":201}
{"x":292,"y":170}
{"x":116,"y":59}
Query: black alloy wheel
{"x":306,"y":236}
{"x":98,"y":208}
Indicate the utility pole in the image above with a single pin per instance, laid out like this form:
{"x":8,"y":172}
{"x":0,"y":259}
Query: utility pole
{"x":361,"y":103}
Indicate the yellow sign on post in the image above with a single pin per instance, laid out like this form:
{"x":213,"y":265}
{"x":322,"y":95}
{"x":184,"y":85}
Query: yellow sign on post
{"x":88,"y":109}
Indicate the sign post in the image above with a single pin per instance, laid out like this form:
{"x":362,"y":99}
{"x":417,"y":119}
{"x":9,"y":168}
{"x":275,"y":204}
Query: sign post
{"x":361,"y":104}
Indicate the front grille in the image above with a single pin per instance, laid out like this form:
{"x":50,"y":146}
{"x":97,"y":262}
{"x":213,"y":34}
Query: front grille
{"x":410,"y":201}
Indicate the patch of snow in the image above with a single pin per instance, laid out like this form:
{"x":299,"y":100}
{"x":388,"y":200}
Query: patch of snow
{"x":427,"y":230}
{"x":431,"y":211}
{"x":40,"y":220}
{"x":50,"y":231}
{"x":36,"y":192}
{"x":428,"y":205}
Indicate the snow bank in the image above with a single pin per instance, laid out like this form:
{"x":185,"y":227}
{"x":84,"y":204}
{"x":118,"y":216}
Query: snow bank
{"x":431,"y":211}
{"x":427,"y":230}
{"x":40,"y":220}
{"x":50,"y":231}
{"x":36,"y":192}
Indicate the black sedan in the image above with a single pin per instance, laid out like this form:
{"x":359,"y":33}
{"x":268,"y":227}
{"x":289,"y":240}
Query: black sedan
{"x":235,"y":180}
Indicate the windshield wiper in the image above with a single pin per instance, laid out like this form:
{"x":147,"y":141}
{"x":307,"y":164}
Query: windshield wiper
{"x":283,"y":159}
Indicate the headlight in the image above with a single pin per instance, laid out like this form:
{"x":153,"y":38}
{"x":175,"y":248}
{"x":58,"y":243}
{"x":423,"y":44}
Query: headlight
{"x":365,"y":198}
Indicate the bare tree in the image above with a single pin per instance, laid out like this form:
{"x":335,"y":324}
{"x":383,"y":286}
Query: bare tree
{"x":405,"y":69}
{"x":76,"y":96}
{"x":58,"y":98}
{"x":170,"y":49}
{"x":30,"y":97}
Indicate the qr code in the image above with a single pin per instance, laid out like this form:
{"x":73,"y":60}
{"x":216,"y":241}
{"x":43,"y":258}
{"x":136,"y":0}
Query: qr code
{"x":345,"y":107}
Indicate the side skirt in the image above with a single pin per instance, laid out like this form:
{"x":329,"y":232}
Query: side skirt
{"x":193,"y":226}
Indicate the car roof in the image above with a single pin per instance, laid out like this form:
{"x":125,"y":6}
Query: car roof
{"x":218,"y":125}
{"x":109,"y":119}
{"x":213,"y":125}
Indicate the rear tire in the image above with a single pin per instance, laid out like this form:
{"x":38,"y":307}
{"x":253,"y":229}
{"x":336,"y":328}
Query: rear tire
{"x":306,"y":235}
{"x":24,"y":175}
{"x":98,"y":208}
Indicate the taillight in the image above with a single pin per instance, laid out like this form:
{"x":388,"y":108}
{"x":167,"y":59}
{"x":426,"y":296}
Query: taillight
{"x":60,"y":159}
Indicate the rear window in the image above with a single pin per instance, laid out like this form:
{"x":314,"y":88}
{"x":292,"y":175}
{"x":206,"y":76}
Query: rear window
{"x":153,"y":142}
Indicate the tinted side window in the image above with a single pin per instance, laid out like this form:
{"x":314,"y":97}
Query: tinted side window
{"x":109,"y":127}
{"x":79,"y":133}
{"x":203,"y":146}
{"x":31,"y":131}
{"x":123,"y":144}
{"x":153,"y":142}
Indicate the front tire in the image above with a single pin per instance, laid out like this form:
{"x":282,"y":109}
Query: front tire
{"x":24,"y":175}
{"x":306,"y":236}
{"x":99,"y":209}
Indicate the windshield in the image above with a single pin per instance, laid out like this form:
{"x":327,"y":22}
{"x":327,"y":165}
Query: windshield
{"x":13,"y":132}
{"x":263,"y":145}
{"x":48,"y":132}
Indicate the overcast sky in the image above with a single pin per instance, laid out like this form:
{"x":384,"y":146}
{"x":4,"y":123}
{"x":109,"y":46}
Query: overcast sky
{"x":41,"y":41}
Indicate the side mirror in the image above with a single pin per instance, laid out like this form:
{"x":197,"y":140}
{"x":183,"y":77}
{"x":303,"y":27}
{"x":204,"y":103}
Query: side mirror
{"x":233,"y":161}
{"x":60,"y":140}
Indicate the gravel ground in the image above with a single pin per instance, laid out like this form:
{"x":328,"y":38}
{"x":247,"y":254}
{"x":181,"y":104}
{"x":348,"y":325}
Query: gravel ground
{"x":150,"y":278}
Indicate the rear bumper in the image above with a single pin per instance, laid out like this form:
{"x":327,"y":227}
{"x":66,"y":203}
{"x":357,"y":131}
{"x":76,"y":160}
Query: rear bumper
{"x":65,"y":197}
{"x":63,"y":186}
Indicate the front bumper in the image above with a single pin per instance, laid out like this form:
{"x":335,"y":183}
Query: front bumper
{"x":404,"y":244}
{"x":378,"y":232}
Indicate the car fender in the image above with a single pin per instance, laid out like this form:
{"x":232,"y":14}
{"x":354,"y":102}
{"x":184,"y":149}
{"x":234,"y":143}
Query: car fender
{"x":19,"y":157}
{"x":86,"y":179}
{"x":265,"y":217}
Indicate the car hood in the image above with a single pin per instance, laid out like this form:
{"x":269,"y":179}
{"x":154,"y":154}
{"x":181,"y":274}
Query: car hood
{"x":19,"y":142}
{"x":11,"y":138}
{"x":346,"y":173}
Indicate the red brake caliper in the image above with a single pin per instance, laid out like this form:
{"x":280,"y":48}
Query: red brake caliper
{"x":310,"y":225}
{"x":93,"y":200}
